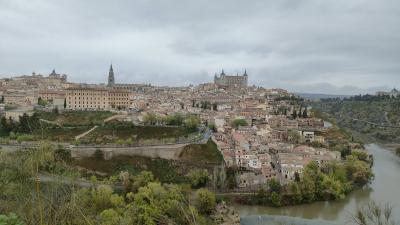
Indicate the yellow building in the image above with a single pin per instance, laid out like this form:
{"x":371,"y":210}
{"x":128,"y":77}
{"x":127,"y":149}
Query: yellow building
{"x":89,"y":98}
{"x":50,"y":95}
{"x":120,"y":99}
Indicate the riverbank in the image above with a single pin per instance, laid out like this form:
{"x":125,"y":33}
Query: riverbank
{"x":383,"y":189}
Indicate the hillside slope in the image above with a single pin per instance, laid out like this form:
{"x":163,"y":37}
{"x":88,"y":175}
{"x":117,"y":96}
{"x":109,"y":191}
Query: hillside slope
{"x":376,"y":118}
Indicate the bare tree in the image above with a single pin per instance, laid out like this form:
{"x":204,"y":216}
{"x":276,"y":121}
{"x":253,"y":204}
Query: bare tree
{"x":374,"y":214}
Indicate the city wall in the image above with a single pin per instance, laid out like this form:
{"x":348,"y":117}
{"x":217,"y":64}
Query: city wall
{"x":161,"y":151}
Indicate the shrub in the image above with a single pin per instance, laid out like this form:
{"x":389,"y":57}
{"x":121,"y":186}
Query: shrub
{"x":10,"y":219}
{"x":239,"y":122}
{"x":25,"y":137}
{"x":205,"y":201}
{"x":198,"y":178}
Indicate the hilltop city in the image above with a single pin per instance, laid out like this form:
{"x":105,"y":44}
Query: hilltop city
{"x":255,"y":128}
{"x":243,"y":143}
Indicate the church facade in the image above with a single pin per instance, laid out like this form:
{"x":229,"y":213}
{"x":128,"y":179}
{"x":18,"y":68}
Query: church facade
{"x":229,"y":81}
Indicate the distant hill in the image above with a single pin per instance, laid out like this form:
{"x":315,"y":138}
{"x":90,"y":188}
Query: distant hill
{"x":369,"y":115}
{"x":312,"y":96}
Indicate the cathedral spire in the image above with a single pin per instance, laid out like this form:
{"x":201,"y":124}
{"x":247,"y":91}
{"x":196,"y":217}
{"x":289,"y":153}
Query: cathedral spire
{"x":111,"y":79}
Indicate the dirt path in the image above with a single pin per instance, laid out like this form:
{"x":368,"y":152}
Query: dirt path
{"x":86,"y":133}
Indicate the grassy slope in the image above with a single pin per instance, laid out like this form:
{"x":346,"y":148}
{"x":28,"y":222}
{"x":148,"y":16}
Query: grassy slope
{"x":109,"y":132}
{"x":203,"y":154}
{"x":76,"y":118}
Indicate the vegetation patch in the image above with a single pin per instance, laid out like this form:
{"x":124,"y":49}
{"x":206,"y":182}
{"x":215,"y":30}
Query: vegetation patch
{"x":76,"y":118}
{"x":133,"y":134}
{"x":166,"y":171}
{"x":375,"y":117}
{"x":202,"y":153}
{"x":59,"y":134}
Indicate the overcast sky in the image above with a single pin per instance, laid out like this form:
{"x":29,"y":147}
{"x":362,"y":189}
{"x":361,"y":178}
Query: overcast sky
{"x":314,"y":46}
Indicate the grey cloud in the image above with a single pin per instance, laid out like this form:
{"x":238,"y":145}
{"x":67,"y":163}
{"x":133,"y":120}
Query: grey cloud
{"x":331,"y":46}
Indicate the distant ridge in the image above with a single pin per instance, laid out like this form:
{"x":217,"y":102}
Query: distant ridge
{"x":312,"y":96}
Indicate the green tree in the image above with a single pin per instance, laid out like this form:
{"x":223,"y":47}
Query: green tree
{"x":110,"y":217}
{"x":42,"y":102}
{"x":192,"y":123}
{"x":205,"y":201}
{"x":305,"y":113}
{"x":275,"y":199}
{"x":307,"y":187}
{"x":198,"y":178}
{"x":274,"y":185}
{"x":150,"y":118}
{"x":239,"y":122}
{"x":332,"y":189}
{"x":157,"y":204}
{"x":358,"y":171}
{"x":262,"y":197}
{"x":65,"y":103}
{"x":295,"y":193}
{"x":360,"y":155}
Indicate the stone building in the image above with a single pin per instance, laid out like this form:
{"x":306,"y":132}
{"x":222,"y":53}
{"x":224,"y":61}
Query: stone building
{"x":120,"y":99}
{"x":86,"y":98}
{"x":97,"y":98}
{"x":231,"y":81}
{"x":51,"y":95}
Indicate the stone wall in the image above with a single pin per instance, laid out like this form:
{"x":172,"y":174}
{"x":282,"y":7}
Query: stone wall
{"x":161,"y":151}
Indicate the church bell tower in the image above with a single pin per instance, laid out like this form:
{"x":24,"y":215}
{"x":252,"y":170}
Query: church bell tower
{"x":111,"y":80}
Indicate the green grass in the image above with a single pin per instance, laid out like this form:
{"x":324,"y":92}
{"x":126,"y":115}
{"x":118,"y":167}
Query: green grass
{"x":60,"y":134}
{"x":202,"y":153}
{"x":110,"y":133}
{"x":76,"y":118}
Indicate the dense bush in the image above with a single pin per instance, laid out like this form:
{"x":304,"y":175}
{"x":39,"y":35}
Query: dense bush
{"x":239,"y":122}
{"x":198,"y":178}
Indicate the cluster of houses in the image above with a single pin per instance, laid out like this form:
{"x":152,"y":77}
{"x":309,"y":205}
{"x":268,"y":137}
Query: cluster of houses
{"x":270,"y":143}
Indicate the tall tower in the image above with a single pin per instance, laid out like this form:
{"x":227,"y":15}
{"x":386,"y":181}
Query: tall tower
{"x":111,"y":80}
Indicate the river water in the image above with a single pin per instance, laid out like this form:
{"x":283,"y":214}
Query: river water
{"x":385,"y":188}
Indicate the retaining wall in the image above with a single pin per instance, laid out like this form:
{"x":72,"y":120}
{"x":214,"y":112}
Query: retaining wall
{"x":161,"y":151}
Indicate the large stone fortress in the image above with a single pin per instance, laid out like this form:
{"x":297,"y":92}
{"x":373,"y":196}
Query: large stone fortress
{"x":231,"y":81}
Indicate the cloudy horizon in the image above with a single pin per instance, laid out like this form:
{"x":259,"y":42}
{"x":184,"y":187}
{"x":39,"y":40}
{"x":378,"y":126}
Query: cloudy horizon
{"x":332,"y":47}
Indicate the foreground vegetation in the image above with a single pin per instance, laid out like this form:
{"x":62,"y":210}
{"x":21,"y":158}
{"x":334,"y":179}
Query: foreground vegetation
{"x":141,"y":197}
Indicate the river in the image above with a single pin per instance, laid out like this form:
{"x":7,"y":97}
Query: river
{"x":385,"y":188}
